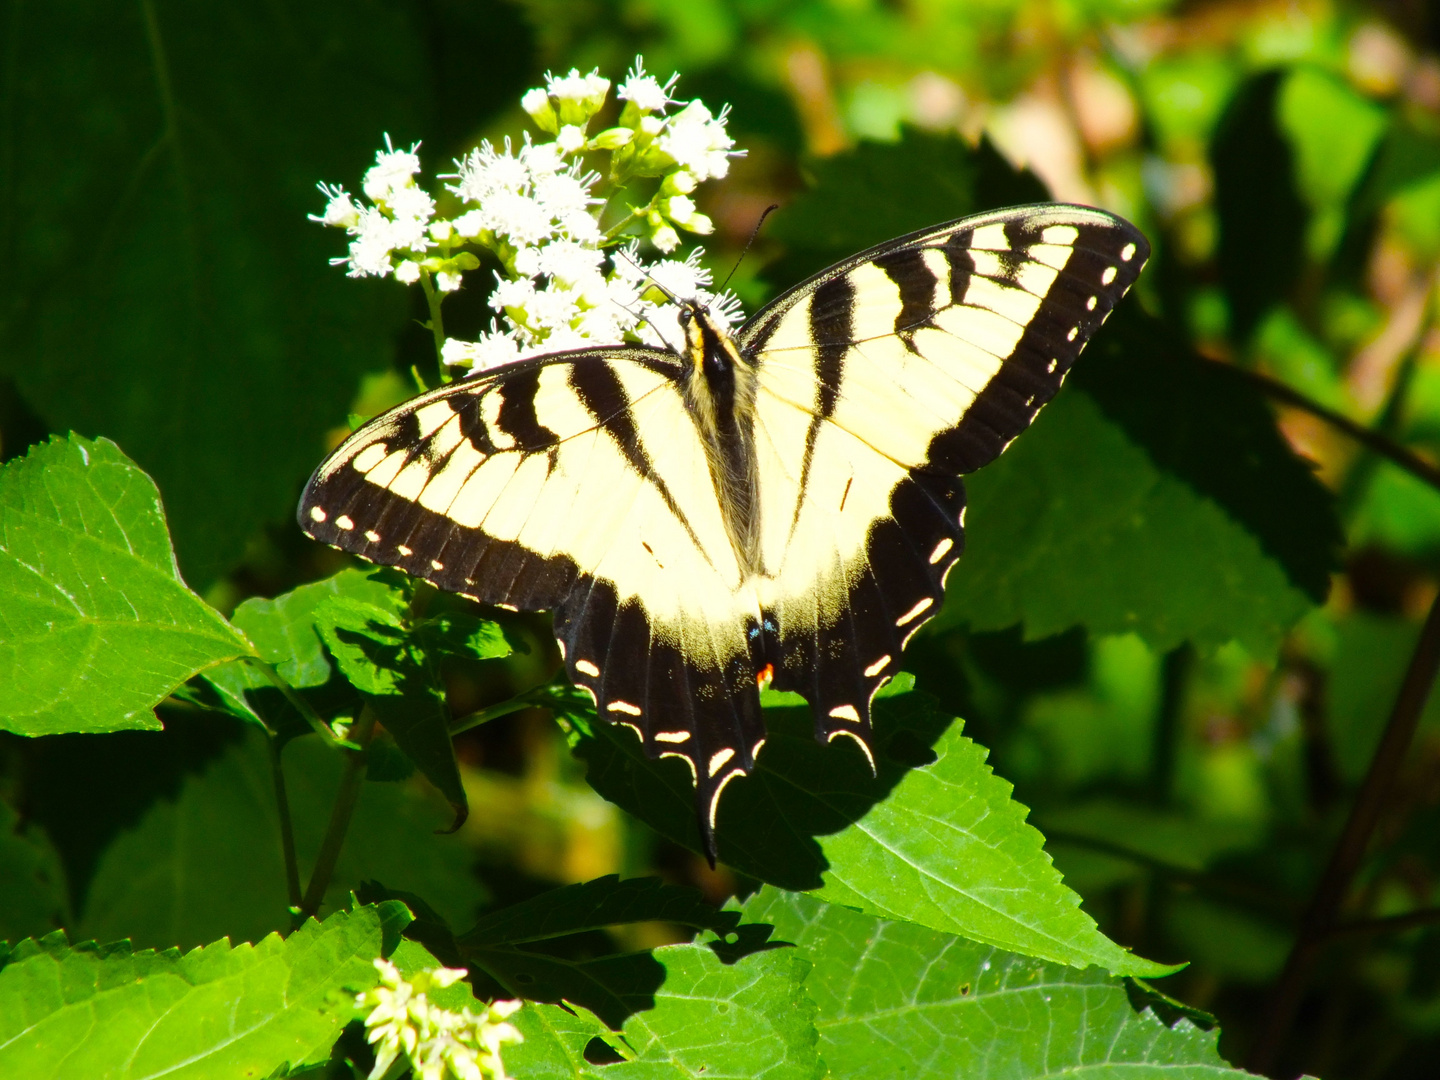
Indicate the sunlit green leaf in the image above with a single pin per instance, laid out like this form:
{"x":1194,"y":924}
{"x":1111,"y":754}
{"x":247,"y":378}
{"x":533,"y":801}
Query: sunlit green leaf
{"x":220,"y":1011}
{"x":895,"y":999}
{"x":96,"y":626}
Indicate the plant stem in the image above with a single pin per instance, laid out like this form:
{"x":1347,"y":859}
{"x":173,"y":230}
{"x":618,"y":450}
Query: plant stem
{"x":1374,"y":440}
{"x":437,"y":324}
{"x":494,"y":712}
{"x":287,"y":827}
{"x":311,"y":716}
{"x":1329,"y":894}
{"x":1390,"y":924}
{"x":340,"y":815}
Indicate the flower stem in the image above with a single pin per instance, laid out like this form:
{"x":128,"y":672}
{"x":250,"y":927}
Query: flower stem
{"x":340,"y":815}
{"x":1319,"y":920}
{"x":287,"y":827}
{"x":297,"y":702}
{"x":433,"y":299}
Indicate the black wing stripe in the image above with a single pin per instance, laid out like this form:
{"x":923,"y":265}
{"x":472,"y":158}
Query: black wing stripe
{"x":832,"y":310}
{"x":603,"y":395}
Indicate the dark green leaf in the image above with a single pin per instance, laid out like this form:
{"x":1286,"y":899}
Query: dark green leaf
{"x":218,"y":1011}
{"x":460,"y":634}
{"x":879,"y":191}
{"x":33,"y":899}
{"x":96,"y":626}
{"x":612,"y":987}
{"x":895,"y":999}
{"x":229,"y":344}
{"x":593,"y":905}
{"x":1153,"y":496}
{"x":208,"y":864}
{"x":813,"y":818}
{"x":1262,"y":217}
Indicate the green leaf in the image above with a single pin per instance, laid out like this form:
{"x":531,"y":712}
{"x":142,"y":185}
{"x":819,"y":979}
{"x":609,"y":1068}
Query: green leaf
{"x":556,"y":1039}
{"x":612,"y":987}
{"x":283,"y":631}
{"x":882,"y":190}
{"x":710,"y":1019}
{"x":1155,"y":496}
{"x":218,"y":1011}
{"x":33,"y":898}
{"x":209,"y":864}
{"x":895,"y":999}
{"x":229,"y":344}
{"x":376,"y":651}
{"x":934,"y":838}
{"x":1263,"y":220}
{"x":466,"y":636}
{"x":96,"y":626}
{"x":593,"y":905}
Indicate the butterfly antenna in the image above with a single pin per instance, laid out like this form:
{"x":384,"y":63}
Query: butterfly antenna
{"x":746,"y":249}
{"x":646,"y":273}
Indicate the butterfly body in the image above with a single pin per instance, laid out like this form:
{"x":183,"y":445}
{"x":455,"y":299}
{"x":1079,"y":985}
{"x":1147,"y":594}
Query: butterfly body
{"x":785,"y":502}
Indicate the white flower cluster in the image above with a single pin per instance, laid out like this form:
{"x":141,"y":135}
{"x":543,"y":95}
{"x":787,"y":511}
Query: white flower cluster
{"x":535,"y":209}
{"x":438,"y":1043}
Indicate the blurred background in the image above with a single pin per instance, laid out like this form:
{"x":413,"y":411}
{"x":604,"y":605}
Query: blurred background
{"x":159,"y":285}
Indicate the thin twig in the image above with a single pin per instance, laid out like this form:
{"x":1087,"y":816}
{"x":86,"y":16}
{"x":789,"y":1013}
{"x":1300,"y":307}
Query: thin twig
{"x":310,"y":715}
{"x":345,"y":799}
{"x":287,"y":826}
{"x":1390,"y":924}
{"x":437,"y":325}
{"x":1350,"y":849}
{"x":526,"y":700}
{"x":1386,"y":447}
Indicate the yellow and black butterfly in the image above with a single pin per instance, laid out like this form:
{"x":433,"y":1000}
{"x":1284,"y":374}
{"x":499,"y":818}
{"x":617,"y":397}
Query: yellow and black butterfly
{"x":781,"y":503}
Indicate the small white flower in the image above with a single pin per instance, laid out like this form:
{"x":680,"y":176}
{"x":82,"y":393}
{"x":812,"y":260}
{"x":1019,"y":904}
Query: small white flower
{"x":519,"y":217}
{"x":567,"y":261}
{"x":408,"y":272}
{"x":571,"y":138}
{"x":492,"y":349}
{"x":442,"y":230}
{"x":652,"y":126}
{"x":436,"y":1042}
{"x":340,"y":211}
{"x":587,"y":91}
{"x":683,"y":182}
{"x":534,"y":100}
{"x":518,"y":294}
{"x":393,"y":170}
{"x":685,"y":280}
{"x":645,"y":91}
{"x":698,"y":141}
{"x":469,"y":224}
{"x":665,"y":238}
{"x":447,"y":280}
{"x":566,"y":192}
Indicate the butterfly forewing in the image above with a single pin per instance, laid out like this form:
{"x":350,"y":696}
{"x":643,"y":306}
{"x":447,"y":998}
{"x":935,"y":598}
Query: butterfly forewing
{"x":580,"y":482}
{"x":907,"y":366}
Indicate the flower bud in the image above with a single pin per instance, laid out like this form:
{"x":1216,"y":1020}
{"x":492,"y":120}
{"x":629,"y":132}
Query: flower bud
{"x":682,"y":182}
{"x":570,"y":138}
{"x":408,"y":272}
{"x":652,"y":126}
{"x":612,"y":138}
{"x":441,"y":230}
{"x":536,"y":102}
{"x":665,"y":238}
